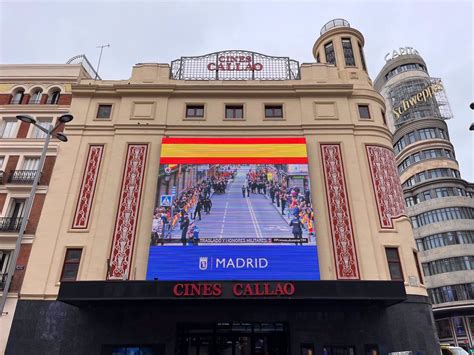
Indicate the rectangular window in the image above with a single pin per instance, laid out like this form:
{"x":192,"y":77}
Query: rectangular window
{"x":44,"y":123}
{"x":329,"y":50}
{"x":8,"y":128}
{"x":234,"y":111}
{"x":194,"y":111}
{"x":4,"y":259}
{"x":394,"y":264}
{"x":273,"y":111}
{"x":348,"y":52}
{"x":104,"y":111}
{"x":417,"y":262}
{"x":31,"y":163}
{"x":361,"y":52}
{"x":364,"y":111}
{"x":384,"y":118}
{"x":71,"y":264}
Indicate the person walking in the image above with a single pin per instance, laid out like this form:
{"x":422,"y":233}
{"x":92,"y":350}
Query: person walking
{"x":283,"y":203}
{"x":297,"y":229}
{"x":184,"y":229}
{"x":243,"y":191}
{"x":272,"y":193}
{"x":248,"y":191}
{"x":198,"y":209}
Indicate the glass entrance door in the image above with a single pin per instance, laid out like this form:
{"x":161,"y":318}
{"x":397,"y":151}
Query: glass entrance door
{"x":232,"y":338}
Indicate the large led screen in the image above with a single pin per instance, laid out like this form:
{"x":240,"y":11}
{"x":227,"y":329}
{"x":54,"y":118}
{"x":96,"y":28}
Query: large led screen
{"x":233,"y":209}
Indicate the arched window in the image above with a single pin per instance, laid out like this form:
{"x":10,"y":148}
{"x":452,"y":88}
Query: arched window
{"x":17,"y":97}
{"x":36,"y":97}
{"x":54,"y":97}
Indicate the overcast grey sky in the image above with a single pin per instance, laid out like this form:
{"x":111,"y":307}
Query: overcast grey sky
{"x":152,"y":31}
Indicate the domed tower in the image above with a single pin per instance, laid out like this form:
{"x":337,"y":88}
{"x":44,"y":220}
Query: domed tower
{"x":342,"y":46}
{"x":439,"y":202}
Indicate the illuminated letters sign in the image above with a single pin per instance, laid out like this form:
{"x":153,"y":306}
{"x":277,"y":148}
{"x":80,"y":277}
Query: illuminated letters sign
{"x":401,"y":51}
{"x":422,"y":96}
{"x":235,"y":65}
{"x":239,"y":289}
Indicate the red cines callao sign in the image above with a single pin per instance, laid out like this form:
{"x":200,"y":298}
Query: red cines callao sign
{"x":239,"y":289}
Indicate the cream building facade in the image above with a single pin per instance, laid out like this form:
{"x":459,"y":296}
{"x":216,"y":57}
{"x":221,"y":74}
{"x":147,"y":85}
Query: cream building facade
{"x":108,"y":174}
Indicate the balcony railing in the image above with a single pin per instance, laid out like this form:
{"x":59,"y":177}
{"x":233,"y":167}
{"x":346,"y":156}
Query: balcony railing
{"x":21,"y":176}
{"x":3,"y":280}
{"x":10,"y":224}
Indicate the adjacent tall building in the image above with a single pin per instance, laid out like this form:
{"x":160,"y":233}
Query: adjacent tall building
{"x":228,"y":203}
{"x":43,"y":92}
{"x":439,"y":201}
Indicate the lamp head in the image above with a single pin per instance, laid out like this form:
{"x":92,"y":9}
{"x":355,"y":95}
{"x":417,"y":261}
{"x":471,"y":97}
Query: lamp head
{"x":26,"y":118}
{"x":65,"y":118}
{"x":61,"y":136}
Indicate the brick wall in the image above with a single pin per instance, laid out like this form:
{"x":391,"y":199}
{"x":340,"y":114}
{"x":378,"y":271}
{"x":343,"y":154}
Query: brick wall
{"x":11,"y":165}
{"x":23,"y":130}
{"x":3,"y":198}
{"x":21,"y":263}
{"x":44,"y":98}
{"x":47,"y":170}
{"x":25,"y":99}
{"x":5,"y":99}
{"x":35,"y":214}
{"x":65,"y":99}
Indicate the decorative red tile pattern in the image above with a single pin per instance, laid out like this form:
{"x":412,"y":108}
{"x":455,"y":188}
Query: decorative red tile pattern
{"x":345,"y":255}
{"x":89,"y":182}
{"x":127,"y":214}
{"x":386,"y":182}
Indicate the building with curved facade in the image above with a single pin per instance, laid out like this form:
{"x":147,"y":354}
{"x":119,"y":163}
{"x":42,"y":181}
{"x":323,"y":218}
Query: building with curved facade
{"x":439,"y":202}
{"x":229,"y":203}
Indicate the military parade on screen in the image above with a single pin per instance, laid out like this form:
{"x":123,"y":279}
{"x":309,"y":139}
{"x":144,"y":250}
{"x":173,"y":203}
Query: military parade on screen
{"x":185,"y":221}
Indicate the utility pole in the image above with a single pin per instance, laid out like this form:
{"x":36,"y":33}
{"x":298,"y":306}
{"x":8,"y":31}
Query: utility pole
{"x":100,"y":57}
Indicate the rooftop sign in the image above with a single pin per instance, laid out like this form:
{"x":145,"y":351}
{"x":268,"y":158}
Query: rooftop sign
{"x":235,"y":65}
{"x":401,"y":51}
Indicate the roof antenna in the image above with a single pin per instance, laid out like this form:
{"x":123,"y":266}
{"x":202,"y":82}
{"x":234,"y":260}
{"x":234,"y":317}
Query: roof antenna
{"x":100,"y":56}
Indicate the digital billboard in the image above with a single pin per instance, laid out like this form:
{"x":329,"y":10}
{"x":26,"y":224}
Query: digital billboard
{"x":233,"y":209}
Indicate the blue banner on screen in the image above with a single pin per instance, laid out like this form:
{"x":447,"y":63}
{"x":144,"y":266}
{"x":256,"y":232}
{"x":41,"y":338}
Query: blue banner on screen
{"x":233,"y":263}
{"x":233,"y":209}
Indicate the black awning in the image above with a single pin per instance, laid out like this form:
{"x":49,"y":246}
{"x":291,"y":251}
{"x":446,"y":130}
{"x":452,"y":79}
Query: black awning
{"x":382,"y":293}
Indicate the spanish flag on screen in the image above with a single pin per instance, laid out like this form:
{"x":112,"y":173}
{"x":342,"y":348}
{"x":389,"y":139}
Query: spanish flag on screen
{"x":281,"y":150}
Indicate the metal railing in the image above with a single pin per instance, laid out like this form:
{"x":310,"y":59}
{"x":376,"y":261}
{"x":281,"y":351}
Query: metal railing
{"x":15,"y":101}
{"x":10,"y":224}
{"x":338,"y":22}
{"x":25,"y":177}
{"x":3,"y":279}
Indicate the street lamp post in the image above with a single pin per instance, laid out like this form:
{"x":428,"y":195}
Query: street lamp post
{"x":49,"y":133}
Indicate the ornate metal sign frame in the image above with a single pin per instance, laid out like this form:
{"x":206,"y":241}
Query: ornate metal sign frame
{"x":235,"y":65}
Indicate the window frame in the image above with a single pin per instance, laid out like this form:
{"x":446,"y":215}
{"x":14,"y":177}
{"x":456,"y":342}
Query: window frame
{"x":348,"y":51}
{"x":235,"y":107}
{"x":67,"y":262}
{"x":398,"y":261}
{"x":333,"y":59}
{"x":359,"y":106}
{"x":14,"y":129}
{"x":99,"y":105}
{"x":194,"y":106}
{"x":52,"y":99}
{"x":273,"y":107}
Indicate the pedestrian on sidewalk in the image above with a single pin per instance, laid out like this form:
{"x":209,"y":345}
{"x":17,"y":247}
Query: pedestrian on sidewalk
{"x":243,"y":191}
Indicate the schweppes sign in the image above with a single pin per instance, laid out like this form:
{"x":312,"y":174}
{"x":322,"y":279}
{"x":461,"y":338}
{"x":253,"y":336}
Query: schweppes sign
{"x":422,"y":96}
